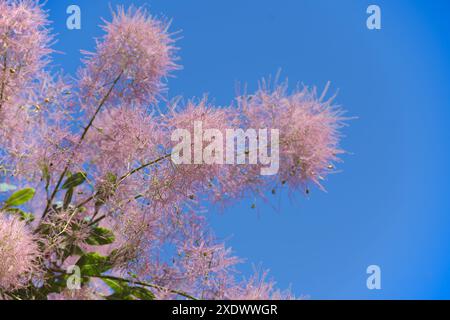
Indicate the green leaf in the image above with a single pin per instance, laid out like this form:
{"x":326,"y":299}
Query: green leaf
{"x":100,"y":236}
{"x":118,"y":296}
{"x":76,"y":250}
{"x":72,"y":249}
{"x":5,"y":187}
{"x":93,"y":264}
{"x":115,"y":285}
{"x":123,"y":291}
{"x":68,"y":198}
{"x":46,"y":174}
{"x":142,"y":293}
{"x":74,"y":180}
{"x":20,"y":197}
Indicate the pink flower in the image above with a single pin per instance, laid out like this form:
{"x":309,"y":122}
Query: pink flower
{"x":119,"y":137}
{"x":308,"y":126}
{"x":132,"y":58}
{"x":18,"y":252}
{"x":257,"y":288}
{"x":24,"y":46}
{"x":189,"y":182}
{"x":24,"y":51}
{"x":39,"y":132}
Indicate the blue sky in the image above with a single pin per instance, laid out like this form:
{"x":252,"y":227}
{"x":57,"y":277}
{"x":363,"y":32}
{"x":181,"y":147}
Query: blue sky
{"x":389,"y":206}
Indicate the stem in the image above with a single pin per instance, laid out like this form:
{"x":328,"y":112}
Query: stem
{"x":102,"y":102}
{"x":141,"y":283}
{"x":150,"y":285}
{"x":105,"y":215}
{"x":125,"y":176}
{"x":142,"y":167}
{"x":4,"y":78}
{"x":97,"y":220}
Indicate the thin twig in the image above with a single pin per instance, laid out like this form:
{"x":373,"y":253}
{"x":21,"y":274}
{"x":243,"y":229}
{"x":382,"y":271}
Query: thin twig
{"x":125,"y":176}
{"x":102,"y":102}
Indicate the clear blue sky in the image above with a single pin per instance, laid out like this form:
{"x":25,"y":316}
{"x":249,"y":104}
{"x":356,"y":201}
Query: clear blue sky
{"x":390,"y":204}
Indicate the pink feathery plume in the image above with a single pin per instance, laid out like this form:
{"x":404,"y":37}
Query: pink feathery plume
{"x":18,"y":253}
{"x":24,"y":51}
{"x":131,"y":61}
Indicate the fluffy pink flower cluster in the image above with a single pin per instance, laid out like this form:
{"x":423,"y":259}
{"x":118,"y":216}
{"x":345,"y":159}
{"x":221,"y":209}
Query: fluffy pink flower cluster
{"x":135,"y":54}
{"x":308,"y":127}
{"x":18,"y":253}
{"x":24,"y":52}
{"x":24,"y":45}
{"x":130,"y":185}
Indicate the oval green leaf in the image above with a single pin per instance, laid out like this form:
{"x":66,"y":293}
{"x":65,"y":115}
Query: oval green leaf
{"x":20,"y":197}
{"x":100,"y":236}
{"x":74,"y":180}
